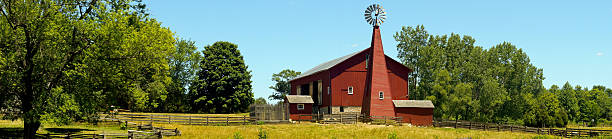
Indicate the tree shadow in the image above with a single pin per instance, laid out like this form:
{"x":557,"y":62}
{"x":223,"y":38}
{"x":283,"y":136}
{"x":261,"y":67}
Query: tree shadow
{"x":11,"y":132}
{"x":66,"y":130}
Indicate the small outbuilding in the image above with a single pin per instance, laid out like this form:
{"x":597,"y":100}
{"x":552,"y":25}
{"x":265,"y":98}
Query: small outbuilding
{"x":298,"y":105}
{"x":416,"y":112}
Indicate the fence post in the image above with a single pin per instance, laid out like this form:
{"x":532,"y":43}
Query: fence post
{"x":169,"y":119}
{"x":227,"y":120}
{"x":206,"y":120}
{"x":498,"y":127}
{"x":190,"y":120}
{"x":341,"y":118}
{"x":456,"y":123}
{"x":385,"y":119}
{"x":511,"y":128}
{"x":244,"y":119}
{"x":151,"y":118}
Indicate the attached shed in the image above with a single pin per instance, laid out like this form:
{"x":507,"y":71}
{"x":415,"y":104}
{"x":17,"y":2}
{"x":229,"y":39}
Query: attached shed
{"x":298,"y":105}
{"x":416,"y":112}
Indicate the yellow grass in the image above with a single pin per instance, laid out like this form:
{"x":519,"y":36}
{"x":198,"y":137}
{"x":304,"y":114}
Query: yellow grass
{"x":189,"y":114}
{"x":307,"y":131}
{"x":85,"y":128}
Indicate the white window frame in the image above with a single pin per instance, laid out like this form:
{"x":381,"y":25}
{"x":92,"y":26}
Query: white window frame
{"x":381,"y":95}
{"x":350,"y":90}
{"x":298,"y":106}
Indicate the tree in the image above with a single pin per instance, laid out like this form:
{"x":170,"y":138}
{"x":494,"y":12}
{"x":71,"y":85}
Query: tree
{"x":184,"y":64}
{"x":260,"y":100}
{"x":569,"y":101}
{"x":548,"y":112}
{"x":224,"y":83}
{"x":503,"y":79}
{"x":60,"y":57}
{"x":282,"y":87}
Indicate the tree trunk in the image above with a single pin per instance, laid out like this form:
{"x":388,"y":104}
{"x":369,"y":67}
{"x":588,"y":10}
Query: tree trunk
{"x":31,"y":119}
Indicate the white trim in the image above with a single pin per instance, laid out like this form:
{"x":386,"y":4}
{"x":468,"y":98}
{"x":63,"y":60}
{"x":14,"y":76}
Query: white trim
{"x":381,"y":95}
{"x":298,"y":106}
{"x":350,"y":90}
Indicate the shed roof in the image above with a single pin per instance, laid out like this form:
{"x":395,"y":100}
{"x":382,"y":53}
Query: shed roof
{"x":413,"y":104}
{"x":299,"y":99}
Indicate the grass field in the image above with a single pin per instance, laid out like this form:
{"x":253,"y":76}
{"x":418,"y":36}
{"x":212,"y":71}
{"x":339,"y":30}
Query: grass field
{"x":294,"y":131}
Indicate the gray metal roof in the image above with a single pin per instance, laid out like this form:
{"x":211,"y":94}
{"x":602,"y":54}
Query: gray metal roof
{"x":299,"y":99}
{"x":326,"y":65}
{"x":413,"y":104}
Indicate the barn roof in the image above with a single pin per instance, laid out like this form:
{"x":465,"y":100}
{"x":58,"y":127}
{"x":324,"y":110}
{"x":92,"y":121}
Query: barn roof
{"x":326,"y":65}
{"x":413,"y":104}
{"x":332,"y":63}
{"x":299,"y":99}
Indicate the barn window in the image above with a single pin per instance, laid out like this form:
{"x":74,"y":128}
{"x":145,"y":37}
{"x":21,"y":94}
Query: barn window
{"x":350,"y":90}
{"x":341,"y":108}
{"x":381,"y":95}
{"x":300,"y":106}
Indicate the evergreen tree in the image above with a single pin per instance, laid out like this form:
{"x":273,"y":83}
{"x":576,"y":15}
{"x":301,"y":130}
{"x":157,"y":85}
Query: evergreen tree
{"x":224,"y":83}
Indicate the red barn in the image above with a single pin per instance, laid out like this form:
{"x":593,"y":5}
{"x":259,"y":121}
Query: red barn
{"x":365,"y":82}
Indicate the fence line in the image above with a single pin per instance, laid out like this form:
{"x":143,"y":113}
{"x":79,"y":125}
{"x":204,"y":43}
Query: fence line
{"x":191,"y":120}
{"x":567,"y":132}
{"x":349,"y":119}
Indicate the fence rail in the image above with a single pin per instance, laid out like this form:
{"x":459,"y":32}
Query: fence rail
{"x":567,"y":132}
{"x":349,"y":119}
{"x":191,"y":120}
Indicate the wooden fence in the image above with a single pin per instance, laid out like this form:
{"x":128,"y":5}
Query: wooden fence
{"x":191,"y":120}
{"x":350,"y":119}
{"x":269,"y":112}
{"x":567,"y":132}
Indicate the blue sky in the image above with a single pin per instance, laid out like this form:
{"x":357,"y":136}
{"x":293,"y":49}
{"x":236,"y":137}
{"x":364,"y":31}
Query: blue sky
{"x":570,"y":40}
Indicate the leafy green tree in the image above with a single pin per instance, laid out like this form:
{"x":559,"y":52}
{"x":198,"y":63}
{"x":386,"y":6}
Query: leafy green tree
{"x":282,"y":87}
{"x":224,"y":83}
{"x":60,"y":58}
{"x":569,"y":101}
{"x":260,"y":100}
{"x":461,"y":101}
{"x":184,"y":64}
{"x":548,"y":112}
{"x":502,"y":78}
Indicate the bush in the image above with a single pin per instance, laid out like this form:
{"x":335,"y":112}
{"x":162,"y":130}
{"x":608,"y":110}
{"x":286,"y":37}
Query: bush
{"x":392,"y":135}
{"x":123,"y":126}
{"x":260,"y":122}
{"x":262,"y":134}
{"x":238,"y":136}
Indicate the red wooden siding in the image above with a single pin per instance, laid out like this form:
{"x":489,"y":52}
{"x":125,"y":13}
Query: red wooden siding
{"x":378,"y":80}
{"x":416,"y":116}
{"x":398,"y":79}
{"x":294,"y":112}
{"x":323,"y":76}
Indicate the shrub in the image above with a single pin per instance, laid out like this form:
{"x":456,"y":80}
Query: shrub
{"x":123,"y":126}
{"x":262,"y":134}
{"x":237,"y":135}
{"x":260,"y":122}
{"x":392,"y":135}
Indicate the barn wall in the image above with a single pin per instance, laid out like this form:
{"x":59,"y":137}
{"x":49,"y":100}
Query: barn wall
{"x":323,"y":76}
{"x":351,"y":72}
{"x":398,"y":79}
{"x":416,"y":116}
{"x":294,"y":112}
